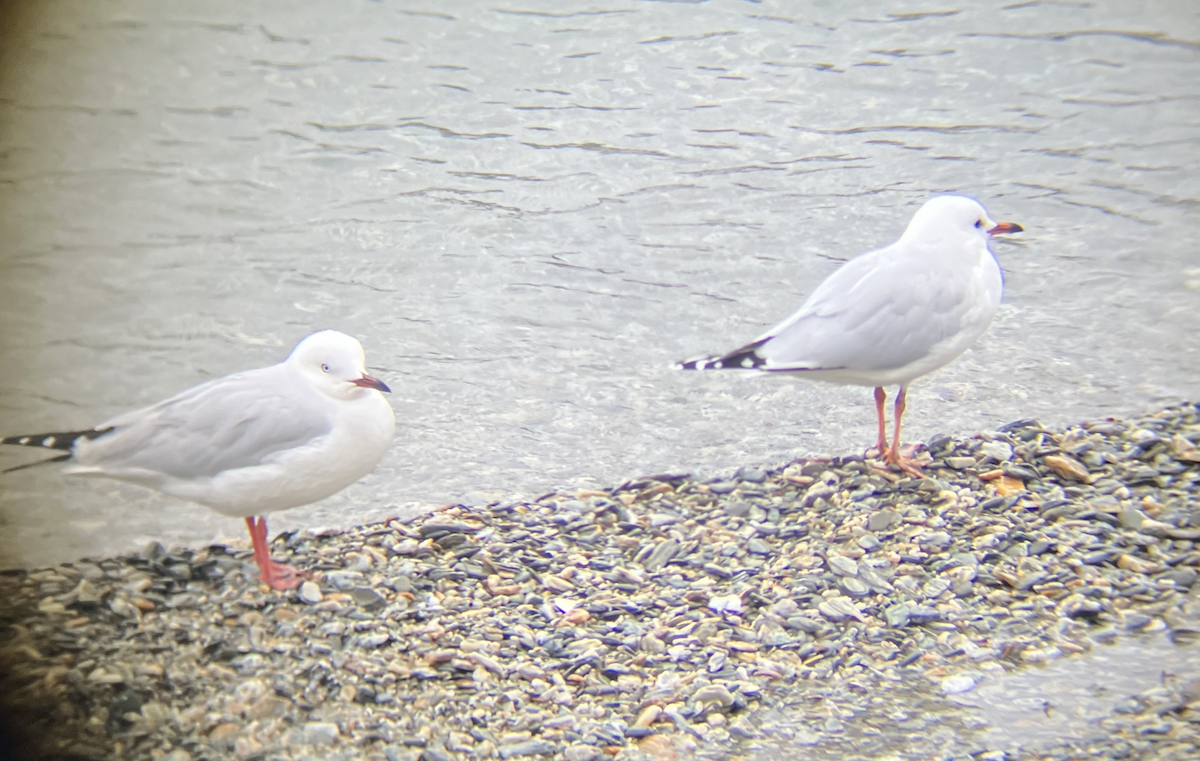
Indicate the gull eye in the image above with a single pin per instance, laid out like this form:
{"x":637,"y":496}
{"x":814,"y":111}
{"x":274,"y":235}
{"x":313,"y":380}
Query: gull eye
{"x":978,"y":224}
{"x":325,"y":367}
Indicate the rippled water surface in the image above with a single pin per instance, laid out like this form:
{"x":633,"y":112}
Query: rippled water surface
{"x":528,"y":212}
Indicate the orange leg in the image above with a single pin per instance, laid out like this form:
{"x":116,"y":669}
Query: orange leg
{"x":275,"y":575}
{"x":881,"y":441}
{"x":893,"y":456}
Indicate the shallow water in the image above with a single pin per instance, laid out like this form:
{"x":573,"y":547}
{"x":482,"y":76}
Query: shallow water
{"x":1021,"y":712}
{"x":1067,"y":699}
{"x":528,"y":212}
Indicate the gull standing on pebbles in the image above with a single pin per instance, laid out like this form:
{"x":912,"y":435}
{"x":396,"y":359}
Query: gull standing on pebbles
{"x":892,"y":315}
{"x":249,"y":443}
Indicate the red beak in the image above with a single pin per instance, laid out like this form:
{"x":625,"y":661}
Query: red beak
{"x":366,"y":381}
{"x":1004,"y":228}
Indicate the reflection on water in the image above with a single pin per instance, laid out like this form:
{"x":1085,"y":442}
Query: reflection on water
{"x":527,"y":213}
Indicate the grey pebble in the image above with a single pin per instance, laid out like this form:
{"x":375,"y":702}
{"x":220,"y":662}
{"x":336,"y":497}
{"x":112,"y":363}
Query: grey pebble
{"x":527,"y":748}
{"x":883,"y":520}
{"x":320,"y":732}
{"x":868,"y":542}
{"x":581,"y":753}
{"x":843,"y":565}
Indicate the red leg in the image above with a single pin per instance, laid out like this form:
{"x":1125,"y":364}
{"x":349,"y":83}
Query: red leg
{"x":894,"y":457}
{"x":275,"y":575}
{"x":881,"y":441}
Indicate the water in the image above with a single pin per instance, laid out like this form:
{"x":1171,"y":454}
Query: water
{"x":528,"y":212}
{"x":1022,"y":713}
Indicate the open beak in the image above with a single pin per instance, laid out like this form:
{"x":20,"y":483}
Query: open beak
{"x":1004,"y":228}
{"x":366,"y":381}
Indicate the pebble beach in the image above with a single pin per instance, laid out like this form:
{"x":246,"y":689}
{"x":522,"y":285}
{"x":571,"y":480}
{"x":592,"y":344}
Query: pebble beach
{"x":826,"y":608}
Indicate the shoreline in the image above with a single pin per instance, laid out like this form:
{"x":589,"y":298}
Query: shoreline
{"x":663,"y":618}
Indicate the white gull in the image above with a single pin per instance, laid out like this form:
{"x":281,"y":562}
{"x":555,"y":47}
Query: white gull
{"x":889,"y":316}
{"x":249,"y":443}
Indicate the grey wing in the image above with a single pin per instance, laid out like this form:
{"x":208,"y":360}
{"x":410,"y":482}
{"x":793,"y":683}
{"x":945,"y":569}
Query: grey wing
{"x":878,"y":312}
{"x":233,"y":422}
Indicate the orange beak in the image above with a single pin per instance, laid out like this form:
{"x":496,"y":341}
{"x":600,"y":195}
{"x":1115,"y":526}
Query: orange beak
{"x":1004,"y":228}
{"x":366,"y":381}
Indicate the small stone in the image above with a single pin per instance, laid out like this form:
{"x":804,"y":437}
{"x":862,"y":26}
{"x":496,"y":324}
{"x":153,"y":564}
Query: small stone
{"x":368,"y":598}
{"x":838,"y":609}
{"x":726,"y":604}
{"x":1131,"y":518}
{"x":661,"y":554}
{"x":527,"y":748}
{"x":1006,"y":486}
{"x":868,"y":542}
{"x":154,"y":551}
{"x":1183,"y":577}
{"x":758,"y":547}
{"x":661,"y":748}
{"x":1020,"y":472}
{"x":939,"y":539}
{"x":883,"y":520}
{"x":1068,"y":467}
{"x":1136,"y":564}
{"x":267,"y":707}
{"x":581,"y":753}
{"x":753,"y":475}
{"x":344,"y":580}
{"x":434,"y":753}
{"x":320,"y":732}
{"x":954,"y":685}
{"x":714,"y":693}
{"x":897,"y":615}
{"x":406,"y":547}
{"x":843,"y":565}
{"x":960,"y":463}
{"x":873,"y":579}
{"x":998,"y":450}
{"x":223,"y":735}
{"x":804,"y":624}
{"x":736,"y":508}
{"x":854,"y":587}
{"x":310,"y":593}
{"x":653,"y":645}
{"x":648,"y":716}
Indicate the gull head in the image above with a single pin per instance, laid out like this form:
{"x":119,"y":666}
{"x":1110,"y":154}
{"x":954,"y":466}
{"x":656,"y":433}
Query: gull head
{"x":955,"y":215}
{"x":336,"y":364}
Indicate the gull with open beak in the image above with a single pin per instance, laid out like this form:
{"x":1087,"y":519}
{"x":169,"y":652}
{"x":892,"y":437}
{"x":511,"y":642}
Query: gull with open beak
{"x":249,"y":443}
{"x":890,"y":316}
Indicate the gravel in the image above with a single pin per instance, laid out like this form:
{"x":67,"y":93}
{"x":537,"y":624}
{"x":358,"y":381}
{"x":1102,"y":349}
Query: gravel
{"x":828,"y":605}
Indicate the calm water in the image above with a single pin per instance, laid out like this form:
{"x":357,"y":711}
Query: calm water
{"x":527,"y":212}
{"x":1032,"y":709}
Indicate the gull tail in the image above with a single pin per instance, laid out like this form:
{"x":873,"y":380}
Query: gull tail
{"x":63,"y":441}
{"x":745,"y":358}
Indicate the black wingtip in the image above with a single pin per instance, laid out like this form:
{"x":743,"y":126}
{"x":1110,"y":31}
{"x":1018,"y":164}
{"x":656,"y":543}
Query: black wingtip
{"x":745,"y":358}
{"x":63,"y":440}
{"x":701,"y":363}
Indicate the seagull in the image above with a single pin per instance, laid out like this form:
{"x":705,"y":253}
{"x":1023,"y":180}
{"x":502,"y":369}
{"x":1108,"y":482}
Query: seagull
{"x":890,"y":316}
{"x":249,"y":443}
